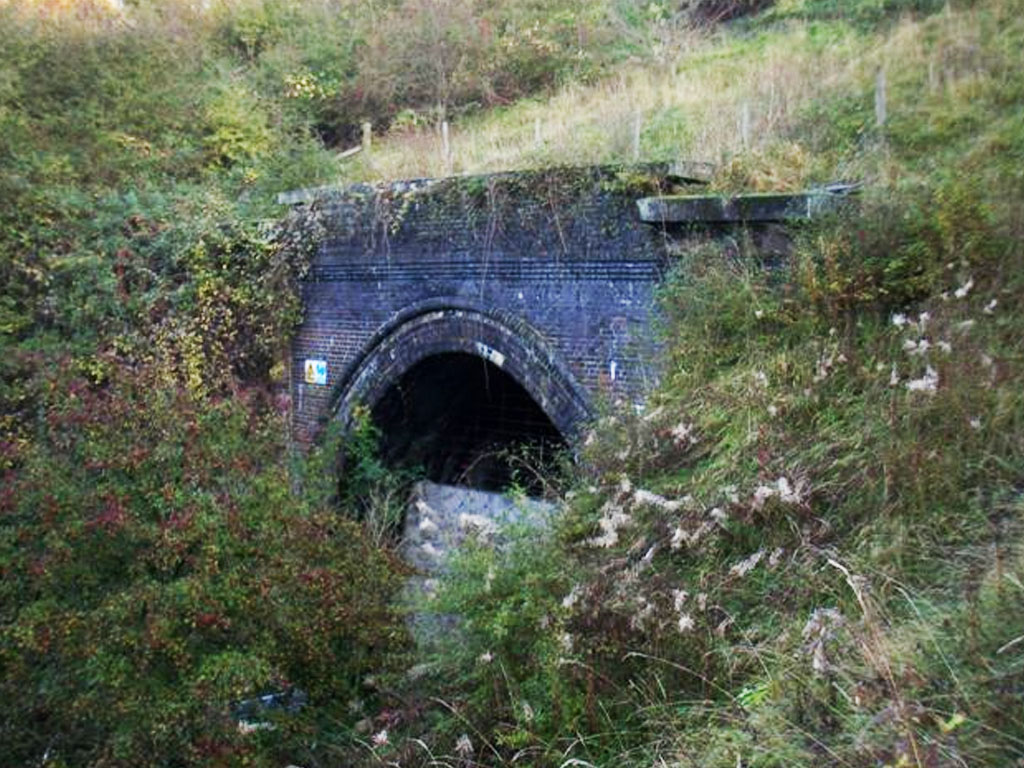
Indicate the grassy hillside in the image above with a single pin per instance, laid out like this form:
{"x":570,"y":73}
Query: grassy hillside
{"x":156,"y":562}
{"x":799,"y":77}
{"x":805,"y":551}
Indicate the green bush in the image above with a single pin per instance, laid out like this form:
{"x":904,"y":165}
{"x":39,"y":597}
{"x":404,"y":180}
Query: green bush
{"x":158,"y":568}
{"x":812,"y":571}
{"x":716,"y":11}
{"x":506,"y":651}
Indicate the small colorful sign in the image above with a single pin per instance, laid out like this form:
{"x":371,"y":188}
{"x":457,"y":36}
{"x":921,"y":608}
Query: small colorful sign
{"x":316,"y":372}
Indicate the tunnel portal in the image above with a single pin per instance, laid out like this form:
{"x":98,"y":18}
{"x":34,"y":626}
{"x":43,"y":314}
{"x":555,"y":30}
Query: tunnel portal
{"x":462,"y":420}
{"x":551,"y":276}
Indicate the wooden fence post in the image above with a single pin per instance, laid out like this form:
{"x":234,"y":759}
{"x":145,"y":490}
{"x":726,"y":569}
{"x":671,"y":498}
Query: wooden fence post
{"x":638,"y":124}
{"x":446,"y":148}
{"x":367,"y":137}
{"x":880,"y":98}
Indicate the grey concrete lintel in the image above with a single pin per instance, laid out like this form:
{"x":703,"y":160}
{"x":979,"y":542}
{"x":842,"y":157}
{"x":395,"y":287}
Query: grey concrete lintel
{"x":718,"y":209}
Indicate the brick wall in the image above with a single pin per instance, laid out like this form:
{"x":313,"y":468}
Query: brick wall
{"x":558,"y":258}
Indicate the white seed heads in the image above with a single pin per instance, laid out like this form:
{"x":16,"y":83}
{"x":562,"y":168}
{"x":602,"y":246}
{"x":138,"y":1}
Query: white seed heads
{"x":789,"y":494}
{"x":612,"y":519}
{"x":916,"y":348}
{"x":761,"y":495}
{"x":822,"y":626}
{"x":744,"y":567}
{"x":927,"y":383}
{"x":647,"y":498}
{"x":572,"y":598}
{"x":679,"y":598}
{"x":682,"y":434}
{"x":464,"y":747}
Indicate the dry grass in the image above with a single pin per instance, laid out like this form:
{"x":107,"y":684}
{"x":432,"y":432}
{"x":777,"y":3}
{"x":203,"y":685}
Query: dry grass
{"x":706,"y":102}
{"x":738,"y":102}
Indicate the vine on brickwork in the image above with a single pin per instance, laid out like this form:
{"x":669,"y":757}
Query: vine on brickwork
{"x":560,"y":194}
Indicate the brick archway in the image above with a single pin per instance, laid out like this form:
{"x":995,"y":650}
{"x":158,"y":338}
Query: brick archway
{"x":437,"y":329}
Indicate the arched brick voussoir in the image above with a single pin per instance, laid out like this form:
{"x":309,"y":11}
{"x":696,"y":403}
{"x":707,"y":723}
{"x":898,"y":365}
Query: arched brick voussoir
{"x":507,"y":342}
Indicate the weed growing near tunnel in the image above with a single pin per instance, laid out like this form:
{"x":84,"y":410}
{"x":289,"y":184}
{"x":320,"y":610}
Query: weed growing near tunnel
{"x":807,"y":552}
{"x":345,"y":468}
{"x":807,"y":549}
{"x":158,"y":568}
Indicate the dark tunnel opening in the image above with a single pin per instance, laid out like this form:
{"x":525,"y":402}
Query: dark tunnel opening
{"x":461,"y":420}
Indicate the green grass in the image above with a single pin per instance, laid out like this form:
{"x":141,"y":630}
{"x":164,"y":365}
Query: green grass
{"x":831,"y":573}
{"x":841,"y":509}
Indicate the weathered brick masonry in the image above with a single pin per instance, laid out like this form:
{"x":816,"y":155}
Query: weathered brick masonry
{"x":550,"y":275}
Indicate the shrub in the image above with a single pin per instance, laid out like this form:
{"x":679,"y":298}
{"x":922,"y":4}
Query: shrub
{"x":236,"y":128}
{"x":717,"y":11}
{"x":901,"y":246}
{"x":158,"y":568}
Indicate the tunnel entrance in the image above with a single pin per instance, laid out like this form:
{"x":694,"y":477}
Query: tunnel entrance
{"x":462,"y":420}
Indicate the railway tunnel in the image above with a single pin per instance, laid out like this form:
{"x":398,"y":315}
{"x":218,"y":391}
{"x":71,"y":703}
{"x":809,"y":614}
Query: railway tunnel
{"x":458,"y":419}
{"x":481,"y":320}
{"x":478,"y":315}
